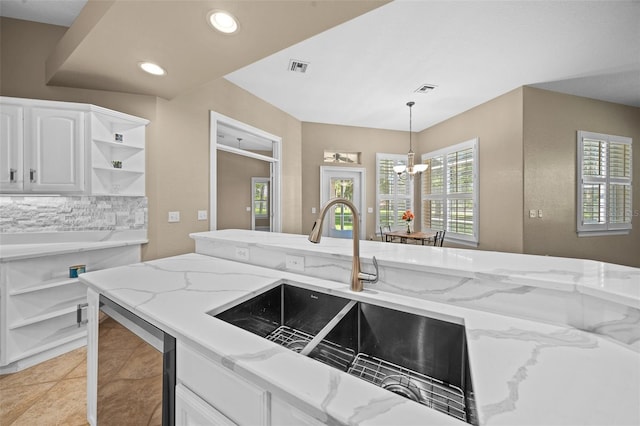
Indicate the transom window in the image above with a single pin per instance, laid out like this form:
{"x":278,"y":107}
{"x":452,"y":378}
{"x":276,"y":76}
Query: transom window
{"x":604,"y":184}
{"x":450,"y":192}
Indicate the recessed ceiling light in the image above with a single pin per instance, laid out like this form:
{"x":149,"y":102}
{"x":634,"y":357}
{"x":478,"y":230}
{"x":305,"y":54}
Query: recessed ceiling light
{"x":223,"y":21}
{"x":152,"y":68}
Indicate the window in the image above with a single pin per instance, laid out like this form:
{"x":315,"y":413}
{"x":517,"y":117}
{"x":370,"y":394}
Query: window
{"x":393,"y":192}
{"x":261,"y":199}
{"x":604,"y":184}
{"x":450,"y":192}
{"x":341,"y":157}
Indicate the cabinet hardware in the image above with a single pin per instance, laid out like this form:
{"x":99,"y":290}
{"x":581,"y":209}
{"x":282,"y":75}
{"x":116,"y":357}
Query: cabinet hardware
{"x":12,"y":175}
{"x":79,"y":320}
{"x":32,"y":175}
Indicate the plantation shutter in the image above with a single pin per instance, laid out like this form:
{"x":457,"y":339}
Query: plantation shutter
{"x":604,"y":187}
{"x":393,"y":191}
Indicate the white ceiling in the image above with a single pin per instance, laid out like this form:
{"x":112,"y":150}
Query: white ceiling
{"x":55,"y":12}
{"x":363,"y":72}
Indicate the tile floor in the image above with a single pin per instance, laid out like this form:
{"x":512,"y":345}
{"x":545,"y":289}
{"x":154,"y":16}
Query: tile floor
{"x":50,"y":393}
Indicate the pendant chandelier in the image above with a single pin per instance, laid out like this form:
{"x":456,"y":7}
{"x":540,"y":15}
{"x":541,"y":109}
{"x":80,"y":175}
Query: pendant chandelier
{"x":411,"y":168}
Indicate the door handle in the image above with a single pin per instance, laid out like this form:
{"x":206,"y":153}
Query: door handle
{"x":12,"y":175}
{"x":32,"y":175}
{"x":79,"y":320}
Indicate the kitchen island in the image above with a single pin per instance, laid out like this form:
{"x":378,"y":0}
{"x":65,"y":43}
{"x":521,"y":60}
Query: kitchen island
{"x":524,"y":371}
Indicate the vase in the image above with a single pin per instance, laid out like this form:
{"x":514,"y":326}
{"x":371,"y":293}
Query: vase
{"x":408,"y":227}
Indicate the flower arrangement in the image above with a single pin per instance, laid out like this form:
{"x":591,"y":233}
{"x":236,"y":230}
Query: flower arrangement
{"x":408,"y":216}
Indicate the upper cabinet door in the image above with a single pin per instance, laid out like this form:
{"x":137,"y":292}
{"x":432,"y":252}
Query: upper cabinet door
{"x":11,"y":148}
{"x":55,"y":154}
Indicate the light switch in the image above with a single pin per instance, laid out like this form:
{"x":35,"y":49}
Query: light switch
{"x":202,"y":215}
{"x":174,"y":217}
{"x":248,"y":209}
{"x":540,"y":213}
{"x":532,"y":214}
{"x":369,"y":209}
{"x":313,"y":210}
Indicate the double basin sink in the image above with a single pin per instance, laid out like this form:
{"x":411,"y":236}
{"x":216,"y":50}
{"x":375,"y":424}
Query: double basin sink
{"x":421,"y":358}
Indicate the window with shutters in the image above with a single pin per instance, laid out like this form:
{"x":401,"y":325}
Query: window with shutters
{"x":604,"y":184}
{"x":393,"y":192}
{"x":450,"y":195}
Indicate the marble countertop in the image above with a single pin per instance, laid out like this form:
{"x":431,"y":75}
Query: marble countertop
{"x":616,"y":283}
{"x":25,"y":246}
{"x":523,"y":372}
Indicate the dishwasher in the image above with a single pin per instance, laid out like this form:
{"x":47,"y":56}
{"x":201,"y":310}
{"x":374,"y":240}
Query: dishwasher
{"x":136,"y":369}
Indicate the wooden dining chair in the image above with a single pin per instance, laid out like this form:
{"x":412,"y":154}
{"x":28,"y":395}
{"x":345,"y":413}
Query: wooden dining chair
{"x":385,"y":238}
{"x":439,"y":238}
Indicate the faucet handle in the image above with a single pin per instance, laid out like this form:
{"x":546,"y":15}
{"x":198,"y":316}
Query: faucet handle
{"x":370,"y":278}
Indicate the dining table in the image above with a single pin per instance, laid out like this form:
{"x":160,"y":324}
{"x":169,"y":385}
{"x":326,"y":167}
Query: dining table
{"x":405,"y":237}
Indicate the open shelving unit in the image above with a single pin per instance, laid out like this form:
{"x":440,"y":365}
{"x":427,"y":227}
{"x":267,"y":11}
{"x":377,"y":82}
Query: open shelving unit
{"x":117,"y":137}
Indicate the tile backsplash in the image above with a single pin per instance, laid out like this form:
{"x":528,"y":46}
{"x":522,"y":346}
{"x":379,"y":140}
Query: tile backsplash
{"x":19,"y":214}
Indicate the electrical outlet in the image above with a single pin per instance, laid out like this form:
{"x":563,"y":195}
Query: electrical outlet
{"x":313,"y":210}
{"x":295,"y":263}
{"x":202,"y":215}
{"x":540,"y":213}
{"x":242,"y":253}
{"x":174,"y":217}
{"x":139,"y":218}
{"x":110,"y":218}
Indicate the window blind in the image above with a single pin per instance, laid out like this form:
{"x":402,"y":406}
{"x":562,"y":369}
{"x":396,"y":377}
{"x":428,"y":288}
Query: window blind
{"x":393,"y":191}
{"x":449,"y":191}
{"x":604,"y":183}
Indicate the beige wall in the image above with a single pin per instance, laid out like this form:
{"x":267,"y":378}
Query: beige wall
{"x":551,"y":122}
{"x":177,"y":139}
{"x":498,"y":126}
{"x":180,"y":179}
{"x":234,"y":189}
{"x":524,"y":164}
{"x":318,"y":137}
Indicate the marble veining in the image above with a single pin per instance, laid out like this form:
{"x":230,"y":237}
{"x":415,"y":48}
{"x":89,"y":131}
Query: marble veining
{"x":470,"y":278}
{"x":521,"y":369}
{"x":570,"y":338}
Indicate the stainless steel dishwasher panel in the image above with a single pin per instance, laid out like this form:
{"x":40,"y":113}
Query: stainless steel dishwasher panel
{"x":136,"y":369}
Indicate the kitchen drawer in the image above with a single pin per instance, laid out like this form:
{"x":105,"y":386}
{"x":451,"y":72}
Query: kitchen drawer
{"x":284,"y":414}
{"x":234,"y":397}
{"x":191,"y":410}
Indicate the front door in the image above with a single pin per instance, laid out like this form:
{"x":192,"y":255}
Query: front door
{"x":342,"y":182}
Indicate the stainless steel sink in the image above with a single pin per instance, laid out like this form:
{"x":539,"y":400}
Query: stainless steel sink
{"x":422,"y":358}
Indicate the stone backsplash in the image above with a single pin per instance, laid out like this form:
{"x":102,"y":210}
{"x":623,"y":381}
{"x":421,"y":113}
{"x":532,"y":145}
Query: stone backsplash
{"x":19,"y":214}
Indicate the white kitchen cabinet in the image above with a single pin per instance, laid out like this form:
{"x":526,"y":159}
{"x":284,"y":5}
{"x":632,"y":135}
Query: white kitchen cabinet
{"x":54,"y":151}
{"x":70,"y":148}
{"x":208,"y":393}
{"x":42,"y":147}
{"x":11,"y":147}
{"x":38,"y":303}
{"x":192,"y":410}
{"x":232,"y":396}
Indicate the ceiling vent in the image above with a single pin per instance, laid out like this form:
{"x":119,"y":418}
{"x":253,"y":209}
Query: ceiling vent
{"x":298,"y":66}
{"x":425,"y":88}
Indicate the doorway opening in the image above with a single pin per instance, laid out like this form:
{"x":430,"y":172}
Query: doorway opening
{"x":232,"y":192}
{"x":260,"y":204}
